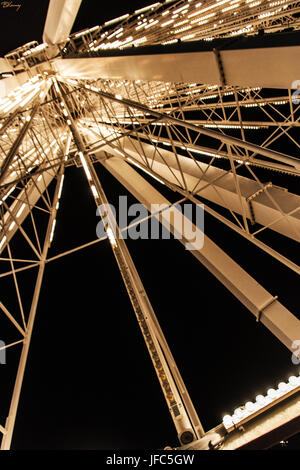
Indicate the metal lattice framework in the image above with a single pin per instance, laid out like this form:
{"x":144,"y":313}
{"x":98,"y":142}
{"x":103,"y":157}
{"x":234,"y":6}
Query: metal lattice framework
{"x":214,"y":143}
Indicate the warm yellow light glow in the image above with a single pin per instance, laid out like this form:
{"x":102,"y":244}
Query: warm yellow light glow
{"x":3,"y":242}
{"x":85,"y":166}
{"x":21,"y":210}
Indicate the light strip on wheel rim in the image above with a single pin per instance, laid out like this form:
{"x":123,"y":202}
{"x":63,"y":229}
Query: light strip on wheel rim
{"x":250,"y":410}
{"x":52,"y":230}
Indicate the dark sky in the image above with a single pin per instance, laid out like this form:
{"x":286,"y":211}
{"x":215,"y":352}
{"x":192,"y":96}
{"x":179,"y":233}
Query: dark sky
{"x":89,"y":383}
{"x":27,"y":24}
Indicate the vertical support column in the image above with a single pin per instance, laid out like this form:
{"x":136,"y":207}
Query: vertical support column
{"x":17,"y":143}
{"x":10,"y":421}
{"x":181,"y":408}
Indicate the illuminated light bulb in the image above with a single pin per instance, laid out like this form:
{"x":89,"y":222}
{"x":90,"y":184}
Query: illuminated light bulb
{"x":8,"y":194}
{"x":182,"y":29}
{"x":61,"y":186}
{"x":94,"y":190}
{"x":149,"y":7}
{"x":111,"y":236}
{"x":260,"y":399}
{"x":73,"y":82}
{"x":148,"y":172}
{"x":85,"y":166}
{"x":227,"y":421}
{"x":151,"y":24}
{"x":21,"y":210}
{"x":29,"y":153}
{"x":283,"y":387}
{"x":230,"y":8}
{"x":239,"y":413}
{"x":52,"y":230}
{"x":120,"y":153}
{"x":166,"y":23}
{"x":235,"y":419}
{"x":250,"y":406}
{"x":12,"y":226}
{"x":116,"y":20}
{"x":185,"y":7}
{"x":172,"y":41}
{"x":243,"y":412}
{"x":271,"y":393}
{"x":180,"y":23}
{"x":294,"y":381}
{"x":2,"y":242}
{"x":189,"y":36}
{"x":119,"y":97}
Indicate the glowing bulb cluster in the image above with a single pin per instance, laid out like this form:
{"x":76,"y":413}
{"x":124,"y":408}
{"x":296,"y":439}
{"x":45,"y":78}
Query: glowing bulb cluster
{"x":251,"y":409}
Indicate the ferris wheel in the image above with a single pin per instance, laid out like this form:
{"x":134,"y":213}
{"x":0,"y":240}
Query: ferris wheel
{"x":200,"y":98}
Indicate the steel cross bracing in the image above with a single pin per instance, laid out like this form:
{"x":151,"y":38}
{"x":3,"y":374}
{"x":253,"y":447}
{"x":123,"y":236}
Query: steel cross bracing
{"x":164,"y":24}
{"x":178,"y":169}
{"x":218,"y":144}
{"x":112,"y":137}
{"x":170,"y":22}
{"x":181,"y":408}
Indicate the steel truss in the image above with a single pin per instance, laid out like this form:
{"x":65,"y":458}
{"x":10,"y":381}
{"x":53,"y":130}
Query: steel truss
{"x":215,"y":144}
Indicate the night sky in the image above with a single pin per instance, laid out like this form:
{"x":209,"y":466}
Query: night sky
{"x":89,"y":383}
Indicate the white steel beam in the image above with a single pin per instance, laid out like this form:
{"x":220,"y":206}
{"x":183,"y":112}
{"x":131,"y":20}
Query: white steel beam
{"x":227,"y":139}
{"x":11,"y":418}
{"x":272,"y":67}
{"x":278,"y":423}
{"x":266,"y":308}
{"x":217,"y":185}
{"x":7,"y":85}
{"x":181,"y":408}
{"x":263,"y":431}
{"x":60,"y":19}
{"x":21,"y":207}
{"x":5,"y":66}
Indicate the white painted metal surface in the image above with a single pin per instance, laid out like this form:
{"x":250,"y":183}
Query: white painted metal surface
{"x":218,"y":186}
{"x":60,"y":18}
{"x":273,"y":67}
{"x":281,"y":322}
